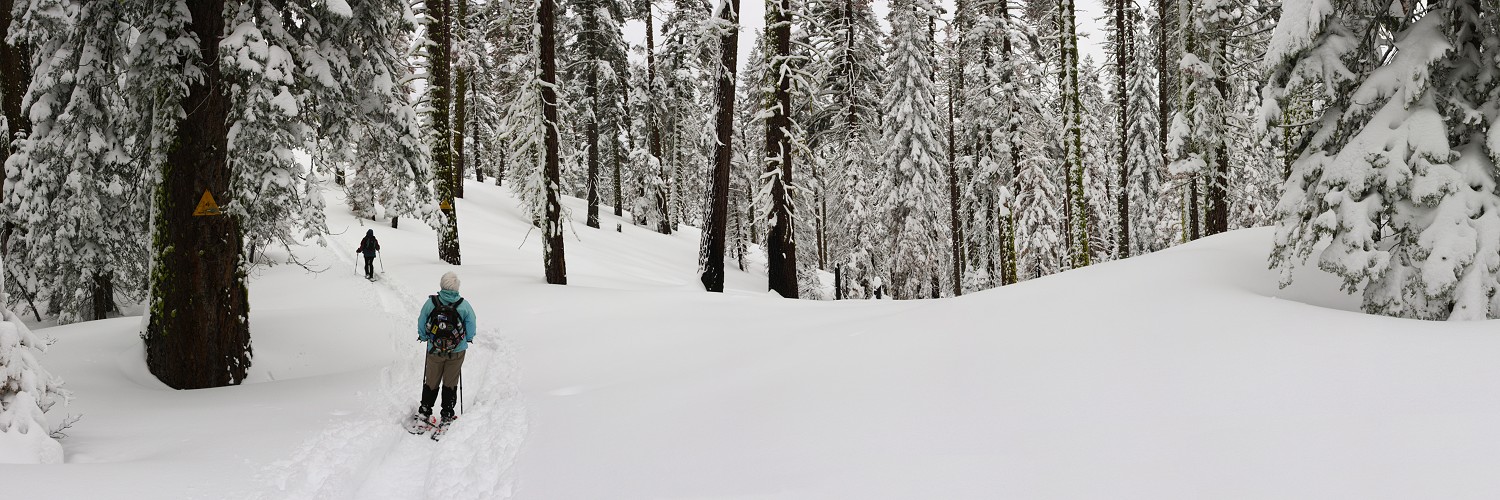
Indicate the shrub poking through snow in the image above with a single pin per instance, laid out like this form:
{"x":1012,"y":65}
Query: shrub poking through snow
{"x":27,"y":391}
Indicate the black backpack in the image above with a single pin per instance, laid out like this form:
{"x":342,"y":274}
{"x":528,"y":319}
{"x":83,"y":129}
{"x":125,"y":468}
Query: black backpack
{"x":445,"y":326}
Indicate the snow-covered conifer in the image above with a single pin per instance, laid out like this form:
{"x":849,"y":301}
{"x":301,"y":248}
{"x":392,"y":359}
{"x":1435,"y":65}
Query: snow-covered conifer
{"x":76,"y":190}
{"x":1397,"y":176}
{"x":27,"y":392}
{"x":594,"y":55}
{"x":912,"y":190}
{"x":1147,"y":207}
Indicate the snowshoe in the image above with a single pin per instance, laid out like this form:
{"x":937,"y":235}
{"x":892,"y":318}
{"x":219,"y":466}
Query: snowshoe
{"x":419,"y":424}
{"x":442,"y":428}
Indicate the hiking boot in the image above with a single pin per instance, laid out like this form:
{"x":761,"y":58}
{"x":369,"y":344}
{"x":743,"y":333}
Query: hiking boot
{"x":450,"y":399}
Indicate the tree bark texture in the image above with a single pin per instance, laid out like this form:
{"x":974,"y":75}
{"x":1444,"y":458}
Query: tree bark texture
{"x":440,"y":73}
{"x":460,"y":89}
{"x":653,"y":134}
{"x":711,"y":260}
{"x":1217,"y":191}
{"x":591,"y":134}
{"x":552,"y":233}
{"x":781,"y":249}
{"x":198,"y":334}
{"x":955,"y":221}
{"x":1123,"y":52}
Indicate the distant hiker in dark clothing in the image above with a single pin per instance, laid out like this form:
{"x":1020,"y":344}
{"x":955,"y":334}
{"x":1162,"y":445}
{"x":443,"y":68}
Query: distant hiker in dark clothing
{"x":447,"y":325}
{"x":369,"y":246}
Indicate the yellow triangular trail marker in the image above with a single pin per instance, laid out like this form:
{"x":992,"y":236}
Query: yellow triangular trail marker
{"x":207,"y":206}
{"x":444,"y":205}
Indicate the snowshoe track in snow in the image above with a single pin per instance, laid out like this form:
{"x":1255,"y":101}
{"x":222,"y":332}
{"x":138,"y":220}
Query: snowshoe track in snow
{"x":371,"y":453}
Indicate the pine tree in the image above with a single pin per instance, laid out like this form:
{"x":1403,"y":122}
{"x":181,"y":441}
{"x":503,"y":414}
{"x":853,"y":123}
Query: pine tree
{"x":1038,"y":212}
{"x":1397,"y":175}
{"x":844,"y":128}
{"x":989,"y":114}
{"x":781,"y":245}
{"x":1167,"y":56}
{"x":655,"y":197}
{"x":15,"y":76}
{"x":1199,"y":130}
{"x":461,"y":59}
{"x":686,"y":65}
{"x":552,"y":230}
{"x":958,"y":174}
{"x":439,"y":51}
{"x":912,"y":186}
{"x":77,"y":187}
{"x":1146,"y":209}
{"x":1071,"y":112}
{"x":27,"y":392}
{"x":195,"y":257}
{"x":596,"y":60}
{"x":716,"y":221}
{"x":255,"y":95}
{"x":1098,"y":146}
{"x":1121,"y":44}
{"x":1020,"y":137}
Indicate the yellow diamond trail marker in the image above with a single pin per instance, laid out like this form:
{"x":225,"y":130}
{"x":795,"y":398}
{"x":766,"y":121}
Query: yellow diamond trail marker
{"x":207,"y":206}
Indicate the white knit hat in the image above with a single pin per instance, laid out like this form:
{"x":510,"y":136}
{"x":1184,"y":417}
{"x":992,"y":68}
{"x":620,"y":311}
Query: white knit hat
{"x":449,"y":281}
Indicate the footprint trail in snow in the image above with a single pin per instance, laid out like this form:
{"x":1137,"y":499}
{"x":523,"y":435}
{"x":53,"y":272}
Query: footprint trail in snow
{"x":370,"y":454}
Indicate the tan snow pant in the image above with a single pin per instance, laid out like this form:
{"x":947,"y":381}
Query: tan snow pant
{"x":443,"y":368}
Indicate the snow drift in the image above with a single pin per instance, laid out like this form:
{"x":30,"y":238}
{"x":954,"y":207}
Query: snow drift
{"x":1181,"y":374}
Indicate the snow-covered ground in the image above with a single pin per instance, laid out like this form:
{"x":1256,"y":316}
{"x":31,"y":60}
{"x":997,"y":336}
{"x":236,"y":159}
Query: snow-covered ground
{"x":1182,"y":374}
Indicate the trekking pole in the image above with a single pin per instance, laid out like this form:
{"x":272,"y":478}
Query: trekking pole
{"x":381,"y":256}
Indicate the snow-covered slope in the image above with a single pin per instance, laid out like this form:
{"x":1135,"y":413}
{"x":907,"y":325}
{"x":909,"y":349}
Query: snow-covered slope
{"x":1182,"y":374}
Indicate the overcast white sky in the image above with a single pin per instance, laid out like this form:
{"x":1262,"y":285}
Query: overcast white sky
{"x":753,"y":12}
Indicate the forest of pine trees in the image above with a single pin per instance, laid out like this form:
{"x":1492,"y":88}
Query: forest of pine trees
{"x":940,"y":150}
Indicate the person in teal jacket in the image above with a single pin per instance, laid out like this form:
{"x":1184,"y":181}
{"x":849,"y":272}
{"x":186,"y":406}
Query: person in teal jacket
{"x":443,"y":367}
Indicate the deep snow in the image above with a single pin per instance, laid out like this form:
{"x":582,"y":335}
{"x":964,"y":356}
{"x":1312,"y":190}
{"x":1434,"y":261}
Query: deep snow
{"x":1181,"y":374}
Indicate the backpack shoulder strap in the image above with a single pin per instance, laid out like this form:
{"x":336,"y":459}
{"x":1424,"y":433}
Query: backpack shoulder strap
{"x":435,"y":301}
{"x":460,"y":301}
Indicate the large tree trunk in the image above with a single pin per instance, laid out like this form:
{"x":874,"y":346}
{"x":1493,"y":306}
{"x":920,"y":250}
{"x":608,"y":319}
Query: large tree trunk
{"x":1078,"y":225}
{"x":1217,"y":191}
{"x":711,"y":260}
{"x":955,"y":220}
{"x":500,"y":167}
{"x":1166,"y":75}
{"x":103,"y":296}
{"x":591,"y":135}
{"x":1123,"y":51}
{"x":460,"y":108}
{"x":653,"y":130}
{"x":1193,"y":210}
{"x":473,"y":132}
{"x":198,"y":334}
{"x":617,"y":155}
{"x":441,"y":59}
{"x":552,"y":232}
{"x":1007,"y":235}
{"x":781,"y":250}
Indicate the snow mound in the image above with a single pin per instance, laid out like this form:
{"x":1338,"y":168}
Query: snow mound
{"x":1182,"y":374}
